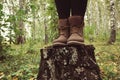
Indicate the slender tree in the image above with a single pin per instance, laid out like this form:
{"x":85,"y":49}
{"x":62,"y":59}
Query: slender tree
{"x":112,"y":38}
{"x":46,"y":36}
{"x":21,"y":37}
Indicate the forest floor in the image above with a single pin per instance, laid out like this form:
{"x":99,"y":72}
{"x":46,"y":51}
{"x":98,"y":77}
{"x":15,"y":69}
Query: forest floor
{"x":24,"y":61}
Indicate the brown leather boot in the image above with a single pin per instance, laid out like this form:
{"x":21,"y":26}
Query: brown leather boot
{"x":64,"y":32}
{"x":76,"y":30}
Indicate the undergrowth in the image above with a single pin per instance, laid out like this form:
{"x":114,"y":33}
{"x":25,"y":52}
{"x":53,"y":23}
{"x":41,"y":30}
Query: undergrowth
{"x":24,"y":64}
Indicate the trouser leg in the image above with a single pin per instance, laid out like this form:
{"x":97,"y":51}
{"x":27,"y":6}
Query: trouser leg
{"x":78,"y":7}
{"x":63,"y":8}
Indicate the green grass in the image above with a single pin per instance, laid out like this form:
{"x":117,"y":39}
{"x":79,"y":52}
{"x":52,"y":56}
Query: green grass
{"x":23,"y":63}
{"x":108,"y":58}
{"x":25,"y":59}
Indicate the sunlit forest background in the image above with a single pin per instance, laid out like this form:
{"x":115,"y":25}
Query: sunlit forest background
{"x":28,"y":25}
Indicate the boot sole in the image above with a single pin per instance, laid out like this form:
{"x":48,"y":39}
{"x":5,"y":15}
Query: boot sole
{"x":59,"y":44}
{"x":75,"y":43}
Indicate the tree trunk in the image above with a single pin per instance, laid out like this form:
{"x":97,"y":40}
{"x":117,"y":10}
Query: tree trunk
{"x":68,"y":63}
{"x":21,"y":38}
{"x":46,"y":35}
{"x":112,"y":22}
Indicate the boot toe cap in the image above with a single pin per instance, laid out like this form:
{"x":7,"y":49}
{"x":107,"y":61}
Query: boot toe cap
{"x":75,"y":37}
{"x":61,"y":39}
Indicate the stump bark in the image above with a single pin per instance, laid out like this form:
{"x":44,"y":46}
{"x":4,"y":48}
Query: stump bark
{"x":68,"y":63}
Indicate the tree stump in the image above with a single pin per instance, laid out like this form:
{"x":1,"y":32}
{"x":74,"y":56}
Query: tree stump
{"x":68,"y":63}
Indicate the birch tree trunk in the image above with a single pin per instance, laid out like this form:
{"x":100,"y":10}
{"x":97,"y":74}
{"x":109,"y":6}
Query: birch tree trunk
{"x":112,"y":38}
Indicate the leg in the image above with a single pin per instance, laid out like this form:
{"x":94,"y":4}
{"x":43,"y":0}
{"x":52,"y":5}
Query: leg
{"x":78,"y":8}
{"x":63,"y":9}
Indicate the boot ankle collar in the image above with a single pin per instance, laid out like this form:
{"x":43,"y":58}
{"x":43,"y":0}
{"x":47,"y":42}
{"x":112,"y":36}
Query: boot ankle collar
{"x":76,"y":20}
{"x":63,"y":23}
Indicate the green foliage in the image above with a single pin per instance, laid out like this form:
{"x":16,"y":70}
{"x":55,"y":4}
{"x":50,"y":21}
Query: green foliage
{"x":118,"y":35}
{"x":92,"y":34}
{"x":1,"y":13}
{"x":4,"y":51}
{"x":89,"y":32}
{"x":22,"y":66}
{"x":4,"y":47}
{"x":25,"y":72}
{"x":15,"y":21}
{"x":108,"y":58}
{"x":14,"y":28}
{"x":52,"y":21}
{"x":31,"y":49}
